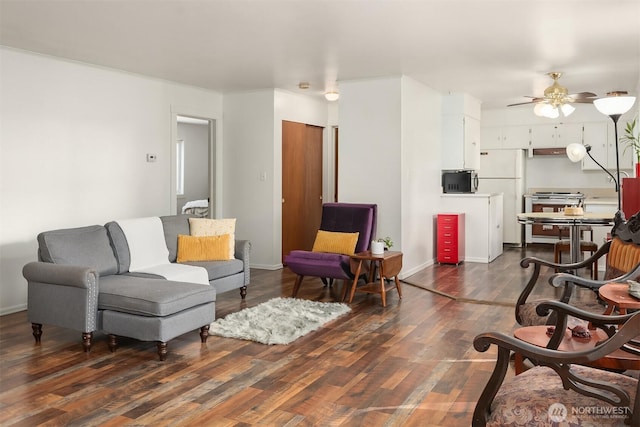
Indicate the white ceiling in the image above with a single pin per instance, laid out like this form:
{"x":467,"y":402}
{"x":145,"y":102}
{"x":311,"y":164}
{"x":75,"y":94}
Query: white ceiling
{"x":497,"y":51}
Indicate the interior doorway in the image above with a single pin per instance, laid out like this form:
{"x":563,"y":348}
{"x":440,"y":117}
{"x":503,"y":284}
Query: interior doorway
{"x":195,"y":160}
{"x":301,"y":185}
{"x":335,"y":164}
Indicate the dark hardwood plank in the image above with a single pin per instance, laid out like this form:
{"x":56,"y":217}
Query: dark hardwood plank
{"x":410,"y":363}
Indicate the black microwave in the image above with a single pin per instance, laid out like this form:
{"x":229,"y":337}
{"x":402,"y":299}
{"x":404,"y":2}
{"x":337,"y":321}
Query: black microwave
{"x":460,"y":181}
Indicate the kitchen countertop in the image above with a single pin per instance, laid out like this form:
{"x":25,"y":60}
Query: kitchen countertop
{"x":593,"y":196}
{"x":601,"y":201}
{"x":474,"y":195}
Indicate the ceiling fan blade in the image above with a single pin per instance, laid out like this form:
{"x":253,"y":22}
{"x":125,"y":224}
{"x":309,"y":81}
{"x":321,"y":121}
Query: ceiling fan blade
{"x":521,"y":103}
{"x":534,"y":100}
{"x":582,"y":101}
{"x":581,"y":95}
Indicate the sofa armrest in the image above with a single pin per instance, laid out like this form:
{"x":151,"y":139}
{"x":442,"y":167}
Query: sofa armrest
{"x":62,"y":295}
{"x":64,"y":275}
{"x":243,"y":252}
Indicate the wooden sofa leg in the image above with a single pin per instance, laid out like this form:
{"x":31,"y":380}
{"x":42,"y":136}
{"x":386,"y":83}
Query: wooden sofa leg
{"x":86,"y":341}
{"x":296,"y":286}
{"x":37,"y":331}
{"x":204,"y":333}
{"x":243,"y":292}
{"x":113,"y":343}
{"x":162,"y":350}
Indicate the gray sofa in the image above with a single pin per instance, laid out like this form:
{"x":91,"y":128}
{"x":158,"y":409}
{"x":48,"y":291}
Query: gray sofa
{"x":82,"y":282}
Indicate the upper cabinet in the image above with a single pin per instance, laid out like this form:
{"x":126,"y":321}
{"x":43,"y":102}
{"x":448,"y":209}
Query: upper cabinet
{"x":555,"y":135}
{"x":601,"y":137}
{"x":460,"y":132}
{"x":505,"y":137}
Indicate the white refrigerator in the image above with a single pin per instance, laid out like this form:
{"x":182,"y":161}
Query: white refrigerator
{"x":503,"y":171}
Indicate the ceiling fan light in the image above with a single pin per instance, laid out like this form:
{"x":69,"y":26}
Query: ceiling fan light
{"x":614,"y":103}
{"x":538,"y":110}
{"x":576,"y":152}
{"x":332,"y":96}
{"x":551,"y":112}
{"x":567,"y":109}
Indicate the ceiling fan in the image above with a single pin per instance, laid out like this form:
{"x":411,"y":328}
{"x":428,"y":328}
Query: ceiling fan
{"x":556,"y":99}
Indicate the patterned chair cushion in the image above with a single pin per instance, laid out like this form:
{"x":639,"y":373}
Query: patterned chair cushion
{"x":621,"y":259}
{"x":530,"y":317}
{"x":533,"y":397}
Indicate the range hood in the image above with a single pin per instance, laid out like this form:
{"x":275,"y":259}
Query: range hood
{"x":553,"y":151}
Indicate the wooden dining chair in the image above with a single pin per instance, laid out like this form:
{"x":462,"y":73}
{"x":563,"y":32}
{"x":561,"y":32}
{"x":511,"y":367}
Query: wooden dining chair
{"x":560,"y":388}
{"x":622,"y":254}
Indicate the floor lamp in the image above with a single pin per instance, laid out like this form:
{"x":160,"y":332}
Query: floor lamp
{"x":614,"y":105}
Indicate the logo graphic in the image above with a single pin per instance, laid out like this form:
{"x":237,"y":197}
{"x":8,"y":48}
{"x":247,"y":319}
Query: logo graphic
{"x":557,"y":412}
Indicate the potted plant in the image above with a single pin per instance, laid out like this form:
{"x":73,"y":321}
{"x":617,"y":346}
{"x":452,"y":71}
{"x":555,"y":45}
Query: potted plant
{"x":378,"y":246}
{"x":632,"y":139}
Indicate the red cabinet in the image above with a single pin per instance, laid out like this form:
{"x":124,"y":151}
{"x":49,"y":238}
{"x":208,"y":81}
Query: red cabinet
{"x":630,"y":196}
{"x":450,"y":244}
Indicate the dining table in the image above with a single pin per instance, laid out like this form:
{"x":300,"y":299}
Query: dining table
{"x":573,"y":222}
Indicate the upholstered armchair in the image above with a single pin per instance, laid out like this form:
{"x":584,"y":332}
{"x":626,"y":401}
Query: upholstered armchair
{"x":560,"y":387}
{"x":622,"y":263}
{"x":329,"y":266}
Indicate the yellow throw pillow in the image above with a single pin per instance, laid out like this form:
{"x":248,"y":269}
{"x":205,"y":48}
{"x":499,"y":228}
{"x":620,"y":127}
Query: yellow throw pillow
{"x":215,"y":227}
{"x":205,"y":248}
{"x":334,"y":242}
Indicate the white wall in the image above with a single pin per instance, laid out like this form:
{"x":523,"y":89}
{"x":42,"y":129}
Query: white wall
{"x":390,"y":155}
{"x":420,"y":188}
{"x":248,"y":154}
{"x":73,"y":145}
{"x":369,"y":160}
{"x":253,"y":153}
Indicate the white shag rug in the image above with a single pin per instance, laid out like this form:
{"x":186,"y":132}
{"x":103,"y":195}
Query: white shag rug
{"x":278,"y":321}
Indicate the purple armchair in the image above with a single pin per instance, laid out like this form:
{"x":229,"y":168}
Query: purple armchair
{"x":339,"y":217}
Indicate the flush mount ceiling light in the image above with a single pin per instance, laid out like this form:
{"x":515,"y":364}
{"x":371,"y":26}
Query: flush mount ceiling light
{"x":556,"y":99}
{"x":304,"y":85}
{"x":332,"y":96}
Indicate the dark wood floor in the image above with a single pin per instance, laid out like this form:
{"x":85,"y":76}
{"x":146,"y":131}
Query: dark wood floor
{"x":411,"y":363}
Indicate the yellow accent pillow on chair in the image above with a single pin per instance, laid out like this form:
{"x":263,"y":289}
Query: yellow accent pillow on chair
{"x":335,"y":242}
{"x":203,"y":248}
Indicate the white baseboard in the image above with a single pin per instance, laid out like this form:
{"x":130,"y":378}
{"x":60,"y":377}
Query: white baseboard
{"x":267,"y":267}
{"x":14,"y":309}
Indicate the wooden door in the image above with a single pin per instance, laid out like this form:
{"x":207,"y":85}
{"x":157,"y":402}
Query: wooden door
{"x":301,"y":185}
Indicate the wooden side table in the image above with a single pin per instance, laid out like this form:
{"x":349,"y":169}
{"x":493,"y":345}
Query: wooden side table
{"x":617,"y":295}
{"x":389,"y":265}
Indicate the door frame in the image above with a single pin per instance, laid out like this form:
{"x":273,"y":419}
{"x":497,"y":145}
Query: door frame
{"x":215,"y":158}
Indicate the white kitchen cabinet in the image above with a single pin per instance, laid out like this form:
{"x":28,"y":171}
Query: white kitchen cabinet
{"x":555,"y":135}
{"x":460,"y":142}
{"x":595,"y":135}
{"x":626,"y":158}
{"x":483,"y":223}
{"x":601,"y":137}
{"x":505,"y":137}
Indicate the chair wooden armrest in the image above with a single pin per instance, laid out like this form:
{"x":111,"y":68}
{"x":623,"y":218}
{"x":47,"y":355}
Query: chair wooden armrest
{"x":560,"y":361}
{"x":563,"y":268}
{"x":561,"y":279}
